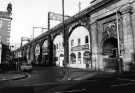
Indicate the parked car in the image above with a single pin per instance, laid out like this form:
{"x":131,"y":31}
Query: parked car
{"x":26,"y":67}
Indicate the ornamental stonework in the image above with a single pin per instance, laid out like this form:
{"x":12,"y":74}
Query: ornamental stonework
{"x":109,"y":29}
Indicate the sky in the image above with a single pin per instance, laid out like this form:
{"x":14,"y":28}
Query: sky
{"x":27,"y":14}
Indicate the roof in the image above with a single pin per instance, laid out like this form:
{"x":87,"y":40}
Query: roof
{"x":4,"y":14}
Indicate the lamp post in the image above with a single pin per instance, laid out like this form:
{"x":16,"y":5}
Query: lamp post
{"x":64,"y":36}
{"x":67,"y":71}
{"x":118,"y":37}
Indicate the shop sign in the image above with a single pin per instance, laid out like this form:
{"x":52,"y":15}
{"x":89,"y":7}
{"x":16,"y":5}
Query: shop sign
{"x":80,"y":47}
{"x":37,"y":50}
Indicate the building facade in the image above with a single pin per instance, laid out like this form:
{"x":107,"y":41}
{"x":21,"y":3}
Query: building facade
{"x":5,"y":28}
{"x":100,"y":37}
{"x":5,"y":25}
{"x":79,"y":48}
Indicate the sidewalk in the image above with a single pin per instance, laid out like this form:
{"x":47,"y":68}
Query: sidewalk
{"x":78,"y":74}
{"x":12,"y":76}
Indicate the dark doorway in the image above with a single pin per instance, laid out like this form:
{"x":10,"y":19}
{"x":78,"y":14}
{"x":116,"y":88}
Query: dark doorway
{"x":110,"y":47}
{"x":110,"y":54}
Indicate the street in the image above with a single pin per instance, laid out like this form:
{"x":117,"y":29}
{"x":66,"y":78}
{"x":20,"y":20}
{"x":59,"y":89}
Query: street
{"x":49,"y":80}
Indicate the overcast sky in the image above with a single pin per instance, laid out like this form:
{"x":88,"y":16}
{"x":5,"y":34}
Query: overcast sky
{"x":29,"y":13}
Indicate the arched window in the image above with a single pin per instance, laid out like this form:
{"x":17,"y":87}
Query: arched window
{"x":45,"y":48}
{"x":86,"y":39}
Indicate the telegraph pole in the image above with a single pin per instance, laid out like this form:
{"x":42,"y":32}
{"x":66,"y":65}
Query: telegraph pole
{"x":64,"y":32}
{"x":48,"y":21}
{"x":79,"y":6}
{"x":118,"y":42}
{"x":67,"y":71}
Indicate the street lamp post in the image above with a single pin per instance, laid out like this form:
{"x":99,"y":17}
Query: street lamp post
{"x":118,"y":38}
{"x":118,"y":41}
{"x":67,"y":71}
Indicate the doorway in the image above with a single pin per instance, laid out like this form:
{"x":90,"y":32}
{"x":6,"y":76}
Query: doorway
{"x":110,"y":49}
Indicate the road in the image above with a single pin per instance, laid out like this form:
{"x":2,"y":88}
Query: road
{"x":49,"y":80}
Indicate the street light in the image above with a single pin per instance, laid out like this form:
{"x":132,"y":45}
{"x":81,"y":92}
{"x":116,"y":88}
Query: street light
{"x":67,"y":71}
{"x":118,"y":36}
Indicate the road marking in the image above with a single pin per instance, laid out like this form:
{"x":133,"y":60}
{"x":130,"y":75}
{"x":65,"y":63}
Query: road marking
{"x":73,"y":91}
{"x":125,"y":84}
{"x":126,"y":79}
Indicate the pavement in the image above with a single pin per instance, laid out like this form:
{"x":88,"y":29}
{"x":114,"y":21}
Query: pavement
{"x":65,"y":74}
{"x":81,"y":74}
{"x":43,"y":79}
{"x":12,"y":75}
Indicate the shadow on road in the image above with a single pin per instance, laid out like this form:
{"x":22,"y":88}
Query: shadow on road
{"x":17,"y":90}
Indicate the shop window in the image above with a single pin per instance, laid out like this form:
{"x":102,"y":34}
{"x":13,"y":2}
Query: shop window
{"x":73,"y":58}
{"x":72,"y":42}
{"x":79,"y":57}
{"x":79,"y":41}
{"x":86,"y":39}
{"x":86,"y":57}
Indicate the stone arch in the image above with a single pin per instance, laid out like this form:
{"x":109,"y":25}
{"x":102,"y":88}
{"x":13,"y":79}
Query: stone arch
{"x":45,"y":54}
{"x":55,"y":35}
{"x":79,"y":44}
{"x":71,"y":29}
{"x":58,"y":49}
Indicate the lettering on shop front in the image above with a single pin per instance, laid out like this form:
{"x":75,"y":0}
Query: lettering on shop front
{"x":80,"y":47}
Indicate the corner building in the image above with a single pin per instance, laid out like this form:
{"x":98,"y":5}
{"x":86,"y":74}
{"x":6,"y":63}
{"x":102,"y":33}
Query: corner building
{"x":104,"y":32}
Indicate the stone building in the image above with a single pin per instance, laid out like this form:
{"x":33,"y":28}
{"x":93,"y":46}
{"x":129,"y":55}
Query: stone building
{"x":112,"y":33}
{"x":79,"y":48}
{"x":110,"y":24}
{"x":100,"y":37}
{"x":5,"y":28}
{"x":5,"y":25}
{"x":58,"y":51}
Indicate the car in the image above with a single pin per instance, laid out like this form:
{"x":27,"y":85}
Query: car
{"x":26,"y":67}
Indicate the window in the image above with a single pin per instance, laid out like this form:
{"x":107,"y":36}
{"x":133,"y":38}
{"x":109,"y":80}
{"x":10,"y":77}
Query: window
{"x":57,"y":46}
{"x":79,"y":41}
{"x":86,"y":39}
{"x":73,"y":58}
{"x":72,"y":42}
{"x":79,"y":55}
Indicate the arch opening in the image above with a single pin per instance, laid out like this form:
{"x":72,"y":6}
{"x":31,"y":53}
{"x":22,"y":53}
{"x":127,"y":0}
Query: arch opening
{"x":79,"y":43}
